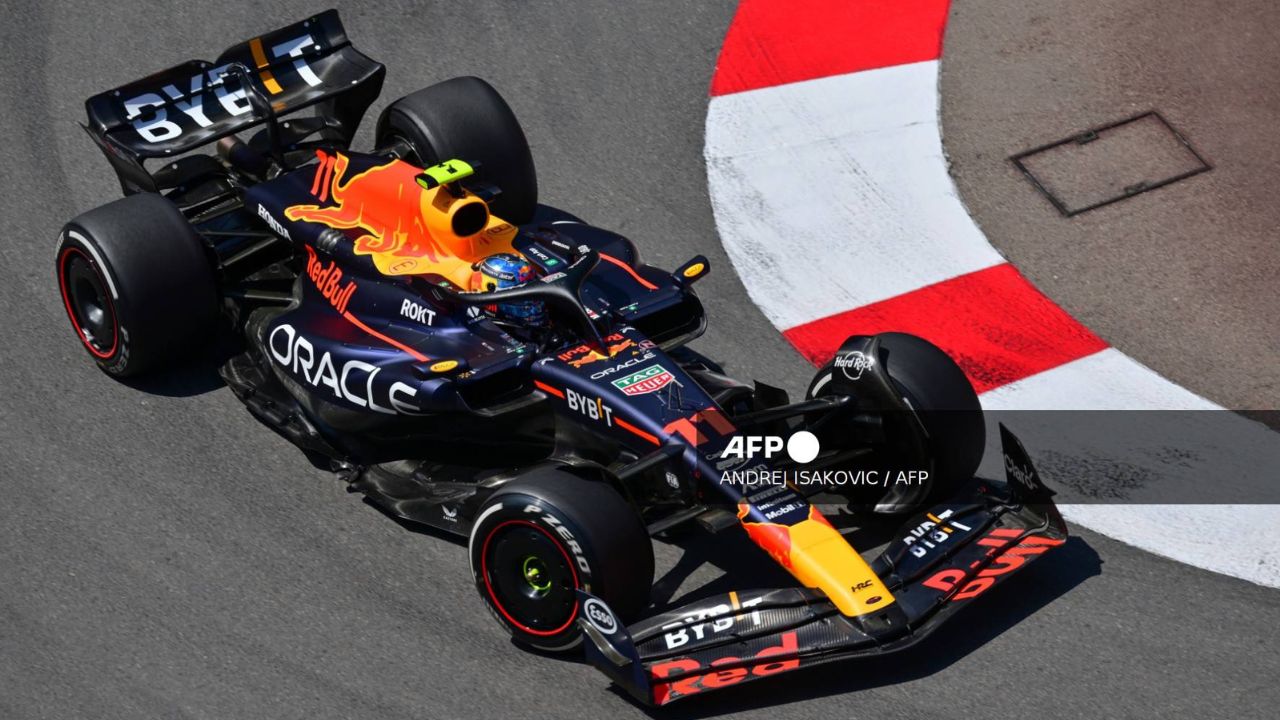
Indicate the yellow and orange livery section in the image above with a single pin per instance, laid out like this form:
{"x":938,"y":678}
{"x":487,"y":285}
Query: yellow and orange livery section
{"x":407,"y":229}
{"x":584,"y":355}
{"x":264,"y":71}
{"x":813,"y":551}
{"x":819,"y":557}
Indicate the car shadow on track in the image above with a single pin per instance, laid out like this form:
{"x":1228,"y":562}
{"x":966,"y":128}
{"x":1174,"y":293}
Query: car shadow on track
{"x":1017,"y":599}
{"x":196,"y":376}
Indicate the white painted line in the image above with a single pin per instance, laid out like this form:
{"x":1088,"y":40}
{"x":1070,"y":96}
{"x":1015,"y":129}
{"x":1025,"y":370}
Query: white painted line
{"x":766,"y":120}
{"x":832,"y":194}
{"x":1241,"y":541}
{"x":1106,"y":380}
{"x":1172,"y":456}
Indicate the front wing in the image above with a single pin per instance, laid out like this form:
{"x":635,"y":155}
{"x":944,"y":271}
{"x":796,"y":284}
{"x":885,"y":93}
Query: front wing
{"x":938,"y":563}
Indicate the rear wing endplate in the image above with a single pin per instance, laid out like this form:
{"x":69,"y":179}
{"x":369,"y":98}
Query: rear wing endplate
{"x":195,"y":103}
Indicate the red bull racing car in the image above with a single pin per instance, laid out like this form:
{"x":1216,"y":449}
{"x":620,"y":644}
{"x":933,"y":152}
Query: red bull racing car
{"x":413,"y":318}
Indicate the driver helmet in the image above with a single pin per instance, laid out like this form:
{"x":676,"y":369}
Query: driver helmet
{"x":508,"y":270}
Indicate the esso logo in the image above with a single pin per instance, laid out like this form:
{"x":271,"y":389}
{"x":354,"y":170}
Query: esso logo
{"x":600,"y":616}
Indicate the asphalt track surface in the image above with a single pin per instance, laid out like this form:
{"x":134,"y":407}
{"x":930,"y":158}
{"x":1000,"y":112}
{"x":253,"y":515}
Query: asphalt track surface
{"x":1181,"y":278}
{"x":163,"y":556}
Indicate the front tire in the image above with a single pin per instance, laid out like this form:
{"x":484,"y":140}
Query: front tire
{"x":942,"y":397}
{"x":540,"y":539}
{"x":136,"y":284}
{"x":466,"y":119}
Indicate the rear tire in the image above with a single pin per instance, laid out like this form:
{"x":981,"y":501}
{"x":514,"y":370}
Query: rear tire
{"x":466,"y":119}
{"x":136,"y":284}
{"x":545,"y":536}
{"x":943,"y":398}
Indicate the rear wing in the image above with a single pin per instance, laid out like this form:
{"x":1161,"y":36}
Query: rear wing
{"x":195,"y":103}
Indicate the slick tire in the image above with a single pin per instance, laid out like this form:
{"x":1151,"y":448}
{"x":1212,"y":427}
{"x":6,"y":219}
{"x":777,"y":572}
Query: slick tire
{"x":547,"y":535}
{"x":943,"y":398}
{"x":136,"y":284}
{"x":466,"y":119}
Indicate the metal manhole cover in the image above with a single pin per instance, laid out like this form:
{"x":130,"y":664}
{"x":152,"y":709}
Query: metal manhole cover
{"x":1110,"y":163}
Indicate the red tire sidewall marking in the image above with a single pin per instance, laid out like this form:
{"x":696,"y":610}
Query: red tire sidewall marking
{"x":63,"y":258}
{"x":493,"y":597}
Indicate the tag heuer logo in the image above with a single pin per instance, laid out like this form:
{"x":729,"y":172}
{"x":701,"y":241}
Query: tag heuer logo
{"x":650,"y":379}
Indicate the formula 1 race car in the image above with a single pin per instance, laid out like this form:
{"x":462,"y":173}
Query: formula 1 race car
{"x":411,"y":317}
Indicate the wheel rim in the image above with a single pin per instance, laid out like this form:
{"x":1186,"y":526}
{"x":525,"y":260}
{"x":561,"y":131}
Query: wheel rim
{"x":88,"y":304}
{"x":530,"y":578}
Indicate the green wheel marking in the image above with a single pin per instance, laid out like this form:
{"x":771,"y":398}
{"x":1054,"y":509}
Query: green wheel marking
{"x":534,"y":574}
